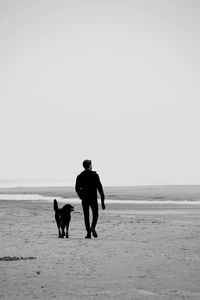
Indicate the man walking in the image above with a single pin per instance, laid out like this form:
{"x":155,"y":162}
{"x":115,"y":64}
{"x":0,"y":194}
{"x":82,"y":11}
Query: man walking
{"x":87,"y":185}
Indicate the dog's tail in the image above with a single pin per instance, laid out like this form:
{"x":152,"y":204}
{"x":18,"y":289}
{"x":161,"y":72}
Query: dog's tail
{"x":55,"y":205}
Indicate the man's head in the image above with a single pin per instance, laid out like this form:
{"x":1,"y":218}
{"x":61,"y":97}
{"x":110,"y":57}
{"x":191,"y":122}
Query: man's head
{"x":87,"y":164}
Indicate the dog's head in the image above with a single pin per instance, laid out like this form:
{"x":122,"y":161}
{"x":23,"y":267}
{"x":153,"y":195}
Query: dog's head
{"x":68,"y":208}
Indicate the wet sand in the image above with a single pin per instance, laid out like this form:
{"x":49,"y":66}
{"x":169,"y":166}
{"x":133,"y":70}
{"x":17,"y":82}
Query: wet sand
{"x":142,"y":252}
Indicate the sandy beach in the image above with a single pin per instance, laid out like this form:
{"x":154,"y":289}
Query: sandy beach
{"x":144,"y":251}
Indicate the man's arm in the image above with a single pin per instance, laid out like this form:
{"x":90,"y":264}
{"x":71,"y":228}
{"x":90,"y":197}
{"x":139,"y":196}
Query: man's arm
{"x":78,"y":187}
{"x":101,"y":192}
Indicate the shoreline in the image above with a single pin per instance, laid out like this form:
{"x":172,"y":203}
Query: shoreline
{"x":41,"y":198}
{"x":132,"y":193}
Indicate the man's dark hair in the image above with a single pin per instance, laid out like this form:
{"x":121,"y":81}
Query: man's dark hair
{"x":86,"y":164}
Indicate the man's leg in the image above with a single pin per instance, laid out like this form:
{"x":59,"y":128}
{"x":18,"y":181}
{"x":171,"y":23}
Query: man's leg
{"x":85,"y":206}
{"x":95,"y":215}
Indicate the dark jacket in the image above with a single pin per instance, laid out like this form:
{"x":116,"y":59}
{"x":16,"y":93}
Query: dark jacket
{"x":87,"y":185}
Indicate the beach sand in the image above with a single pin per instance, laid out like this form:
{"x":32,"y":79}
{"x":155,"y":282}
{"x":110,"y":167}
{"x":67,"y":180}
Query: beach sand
{"x":145,"y":251}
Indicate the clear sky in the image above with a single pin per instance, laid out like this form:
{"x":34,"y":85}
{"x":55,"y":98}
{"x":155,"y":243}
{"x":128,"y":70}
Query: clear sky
{"x":115,"y":81}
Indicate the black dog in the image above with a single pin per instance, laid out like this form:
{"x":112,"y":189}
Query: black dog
{"x":63,"y":217}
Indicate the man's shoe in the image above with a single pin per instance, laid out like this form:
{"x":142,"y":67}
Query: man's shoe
{"x":94,"y":233}
{"x":88,"y":236}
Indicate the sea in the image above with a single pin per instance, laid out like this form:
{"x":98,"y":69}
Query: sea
{"x":48,"y":190}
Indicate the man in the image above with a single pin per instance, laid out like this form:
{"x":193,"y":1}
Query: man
{"x":87,"y":185}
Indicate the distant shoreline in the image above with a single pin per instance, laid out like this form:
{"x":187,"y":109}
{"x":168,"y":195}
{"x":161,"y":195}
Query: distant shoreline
{"x":62,"y":185}
{"x":150,"y":193}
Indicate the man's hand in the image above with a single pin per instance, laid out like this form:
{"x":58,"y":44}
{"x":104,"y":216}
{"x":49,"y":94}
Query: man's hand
{"x":103,"y":205}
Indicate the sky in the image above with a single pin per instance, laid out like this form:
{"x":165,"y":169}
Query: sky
{"x":117,"y":82}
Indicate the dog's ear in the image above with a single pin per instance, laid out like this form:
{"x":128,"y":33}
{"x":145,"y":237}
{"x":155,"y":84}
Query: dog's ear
{"x":71,"y":207}
{"x":68,"y":207}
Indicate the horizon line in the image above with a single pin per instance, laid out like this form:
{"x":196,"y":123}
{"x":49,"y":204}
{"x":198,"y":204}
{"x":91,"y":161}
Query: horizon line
{"x":105,"y":185}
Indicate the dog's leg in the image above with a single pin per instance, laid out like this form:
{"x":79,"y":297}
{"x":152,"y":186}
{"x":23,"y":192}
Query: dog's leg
{"x":67,"y":231}
{"x":63,"y":232}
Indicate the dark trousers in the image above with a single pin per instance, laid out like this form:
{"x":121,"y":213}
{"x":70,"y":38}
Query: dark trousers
{"x":86,"y":210}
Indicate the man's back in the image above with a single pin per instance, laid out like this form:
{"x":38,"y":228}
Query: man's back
{"x":87,"y":184}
